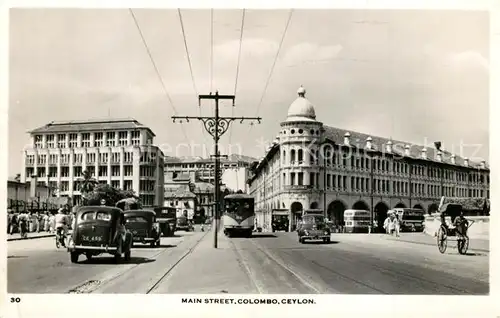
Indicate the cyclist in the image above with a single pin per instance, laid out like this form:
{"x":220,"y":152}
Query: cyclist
{"x":62,"y":223}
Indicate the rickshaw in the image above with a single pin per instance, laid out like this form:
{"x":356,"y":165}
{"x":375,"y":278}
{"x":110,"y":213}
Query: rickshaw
{"x":457,"y":229}
{"x":144,"y":227}
{"x":100,"y":229}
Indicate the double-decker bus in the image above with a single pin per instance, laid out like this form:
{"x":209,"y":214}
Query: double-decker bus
{"x":357,"y":221}
{"x":238,"y":214}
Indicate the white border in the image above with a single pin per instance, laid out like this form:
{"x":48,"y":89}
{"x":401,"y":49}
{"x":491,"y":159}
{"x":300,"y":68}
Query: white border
{"x":331,"y":305}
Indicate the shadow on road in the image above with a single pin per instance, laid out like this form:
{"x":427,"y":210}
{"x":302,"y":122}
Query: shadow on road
{"x":321,"y":242}
{"x":147,"y":246}
{"x":14,"y":256}
{"x":110,"y":261}
{"x":263,"y":235}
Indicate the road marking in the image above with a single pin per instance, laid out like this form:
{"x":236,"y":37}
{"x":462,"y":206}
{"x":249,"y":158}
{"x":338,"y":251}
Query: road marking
{"x":291,"y":271}
{"x":246,"y":267}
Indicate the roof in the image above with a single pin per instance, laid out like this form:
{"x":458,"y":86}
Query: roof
{"x":90,"y":125}
{"x":358,"y":140}
{"x":132,"y":212}
{"x":238,"y":196}
{"x":301,"y":109}
{"x":203,"y":186}
{"x":181,"y":193}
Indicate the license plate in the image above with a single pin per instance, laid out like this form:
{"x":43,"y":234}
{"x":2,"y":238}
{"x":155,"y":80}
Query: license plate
{"x":91,"y":238}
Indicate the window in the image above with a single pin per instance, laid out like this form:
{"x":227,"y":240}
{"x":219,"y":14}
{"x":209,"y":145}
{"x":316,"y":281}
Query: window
{"x":77,"y":171}
{"x":115,"y":184}
{"x":103,"y":157}
{"x":136,"y":137}
{"x":128,"y":157}
{"x":103,"y":171}
{"x":61,"y":141}
{"x":38,"y":141}
{"x":311,"y":176}
{"x":30,"y":159}
{"x":42,"y":159}
{"x":86,"y":140}
{"x":127,"y":185}
{"x":73,"y":140}
{"x":115,"y":157}
{"x":52,"y":171}
{"x":122,"y":138}
{"x":64,"y":171}
{"x":135,"y":219}
{"x":115,"y":171}
{"x":91,"y":158}
{"x":78,"y":158}
{"x":292,"y":156}
{"x":110,"y":136}
{"x":91,"y":170}
{"x":64,"y":185}
{"x":128,"y":170}
{"x":99,"y":139}
{"x":51,"y":141}
{"x":300,"y":156}
{"x":41,"y":172}
{"x":52,"y":159}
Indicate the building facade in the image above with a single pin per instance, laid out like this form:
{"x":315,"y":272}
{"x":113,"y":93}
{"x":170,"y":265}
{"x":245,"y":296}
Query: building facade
{"x":314,"y":166}
{"x":183,"y":200}
{"x":31,"y":196}
{"x":117,"y":152}
{"x":205,"y":168}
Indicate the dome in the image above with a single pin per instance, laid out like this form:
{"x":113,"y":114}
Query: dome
{"x":301,"y":108}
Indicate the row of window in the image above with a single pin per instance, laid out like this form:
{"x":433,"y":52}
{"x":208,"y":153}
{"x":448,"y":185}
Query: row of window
{"x":78,"y":170}
{"x":110,"y":139}
{"x":78,"y":158}
{"x":204,"y":165}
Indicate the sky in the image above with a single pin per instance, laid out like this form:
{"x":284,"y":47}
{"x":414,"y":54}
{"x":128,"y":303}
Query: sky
{"x":418,"y":76}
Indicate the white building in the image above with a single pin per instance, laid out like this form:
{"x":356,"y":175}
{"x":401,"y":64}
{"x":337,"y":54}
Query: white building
{"x":315,"y":166}
{"x":183,"y":200}
{"x":119,"y":152}
{"x":236,"y":178}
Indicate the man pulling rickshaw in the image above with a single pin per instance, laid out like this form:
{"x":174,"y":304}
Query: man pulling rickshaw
{"x":457,"y":228}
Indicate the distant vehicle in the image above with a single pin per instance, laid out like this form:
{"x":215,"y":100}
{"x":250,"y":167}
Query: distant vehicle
{"x":184,"y":224}
{"x":313,"y":227}
{"x":167,"y":219}
{"x":357,"y":221}
{"x":100,"y":229}
{"x":143,"y":225}
{"x":412,"y":220}
{"x":238,"y":214}
{"x":280,"y":220}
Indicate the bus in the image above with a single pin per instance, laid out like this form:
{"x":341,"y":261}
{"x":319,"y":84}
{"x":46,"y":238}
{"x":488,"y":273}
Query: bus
{"x":411,"y":220}
{"x":166,"y":216}
{"x":357,"y":221}
{"x":280,"y":221}
{"x":238,"y":214}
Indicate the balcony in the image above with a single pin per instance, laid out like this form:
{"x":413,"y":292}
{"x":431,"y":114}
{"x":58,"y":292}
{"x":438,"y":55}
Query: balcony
{"x":298,"y":187}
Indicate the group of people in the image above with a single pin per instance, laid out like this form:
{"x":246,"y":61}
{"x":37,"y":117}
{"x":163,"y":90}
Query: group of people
{"x":34,"y":222}
{"x":392,"y":224}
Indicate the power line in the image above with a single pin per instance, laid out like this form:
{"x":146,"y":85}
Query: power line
{"x":190,"y":65}
{"x":274,"y":64}
{"x":211,"y":48}
{"x":237,"y":69}
{"x":156,"y":68}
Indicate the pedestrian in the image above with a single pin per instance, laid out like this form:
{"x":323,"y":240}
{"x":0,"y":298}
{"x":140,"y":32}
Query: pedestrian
{"x":46,"y":223}
{"x":14,"y":223}
{"x":9,"y":220}
{"x":387,"y":224}
{"x":52,"y":223}
{"x":396,"y":224}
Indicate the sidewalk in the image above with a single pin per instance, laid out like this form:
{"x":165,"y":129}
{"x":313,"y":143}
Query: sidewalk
{"x":482,"y":245}
{"x":208,"y":270}
{"x":31,"y":235}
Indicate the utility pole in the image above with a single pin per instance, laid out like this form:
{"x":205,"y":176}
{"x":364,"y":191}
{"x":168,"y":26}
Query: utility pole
{"x":216,"y":126}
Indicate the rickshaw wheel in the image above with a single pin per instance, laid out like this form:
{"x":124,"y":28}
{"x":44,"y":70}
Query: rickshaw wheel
{"x":463,"y":245}
{"x":442,"y":240}
{"x":58,"y":244}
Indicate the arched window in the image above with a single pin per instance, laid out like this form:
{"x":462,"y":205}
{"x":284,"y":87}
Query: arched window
{"x":284,"y":156}
{"x":300,"y":156}
{"x":292,"y":156}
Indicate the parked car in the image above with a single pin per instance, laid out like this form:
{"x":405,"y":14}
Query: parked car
{"x":184,"y":224}
{"x":143,"y":225}
{"x":313,"y":227}
{"x":100,"y":229}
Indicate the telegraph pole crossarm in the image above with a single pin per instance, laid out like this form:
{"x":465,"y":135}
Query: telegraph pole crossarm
{"x":216,"y":126}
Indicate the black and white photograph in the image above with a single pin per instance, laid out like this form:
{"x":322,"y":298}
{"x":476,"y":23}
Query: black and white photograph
{"x":248,"y":156}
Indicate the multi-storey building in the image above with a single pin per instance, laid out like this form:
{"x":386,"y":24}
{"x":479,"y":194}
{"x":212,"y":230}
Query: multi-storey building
{"x":205,"y":168}
{"x":313,"y":166}
{"x":118,"y":152}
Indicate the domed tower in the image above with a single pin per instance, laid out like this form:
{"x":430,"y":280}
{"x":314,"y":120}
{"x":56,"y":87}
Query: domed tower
{"x":300,"y":139}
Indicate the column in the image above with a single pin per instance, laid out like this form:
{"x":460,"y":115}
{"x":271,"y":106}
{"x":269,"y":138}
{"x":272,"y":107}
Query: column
{"x":59,"y":154}
{"x":79,"y":140}
{"x":129,"y":138}
{"x":105,"y":138}
{"x":108,"y":151}
{"x":66,"y":140}
{"x":92,"y":139}
{"x":116,"y":138}
{"x":307,"y":178}
{"x":44,"y":141}
{"x":122,"y":168}
{"x":71,"y":171}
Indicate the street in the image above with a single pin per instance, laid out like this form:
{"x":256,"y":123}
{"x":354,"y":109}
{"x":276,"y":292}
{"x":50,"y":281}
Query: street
{"x":268,"y":263}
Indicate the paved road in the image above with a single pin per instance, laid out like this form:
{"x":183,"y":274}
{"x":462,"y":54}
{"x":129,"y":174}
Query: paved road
{"x":36,"y":266}
{"x":266,"y":263}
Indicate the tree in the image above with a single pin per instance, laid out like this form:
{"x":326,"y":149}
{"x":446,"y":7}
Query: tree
{"x":111,"y":195}
{"x":87,"y":185}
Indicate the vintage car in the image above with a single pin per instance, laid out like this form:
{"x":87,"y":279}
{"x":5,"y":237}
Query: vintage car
{"x":100,"y":229}
{"x":184,"y":224}
{"x":143,"y":225}
{"x":313,"y":227}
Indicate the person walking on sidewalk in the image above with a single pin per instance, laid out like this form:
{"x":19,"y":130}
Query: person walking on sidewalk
{"x":396,"y":224}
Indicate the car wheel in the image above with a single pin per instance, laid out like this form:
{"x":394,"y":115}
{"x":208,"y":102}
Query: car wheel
{"x":153,"y":244}
{"x":158,"y":243}
{"x":89,"y":256}
{"x":327,"y":241}
{"x":74,"y":257}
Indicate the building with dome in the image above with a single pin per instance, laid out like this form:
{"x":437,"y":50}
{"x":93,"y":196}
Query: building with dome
{"x":313,"y":166}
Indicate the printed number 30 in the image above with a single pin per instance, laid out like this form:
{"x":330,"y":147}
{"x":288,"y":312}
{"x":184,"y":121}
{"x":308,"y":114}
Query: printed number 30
{"x":15,"y":300}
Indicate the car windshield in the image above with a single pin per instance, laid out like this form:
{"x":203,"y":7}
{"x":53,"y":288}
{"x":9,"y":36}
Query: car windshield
{"x":316,"y":219}
{"x":136,"y":219}
{"x":96,"y":215}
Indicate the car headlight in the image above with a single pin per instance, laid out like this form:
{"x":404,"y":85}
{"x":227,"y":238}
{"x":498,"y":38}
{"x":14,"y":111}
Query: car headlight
{"x":306,"y":232}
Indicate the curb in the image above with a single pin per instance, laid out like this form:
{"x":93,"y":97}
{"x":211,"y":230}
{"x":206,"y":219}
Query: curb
{"x":30,"y":237}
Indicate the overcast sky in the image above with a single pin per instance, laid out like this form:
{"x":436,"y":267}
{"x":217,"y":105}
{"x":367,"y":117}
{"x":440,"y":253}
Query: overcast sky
{"x":412,"y":75}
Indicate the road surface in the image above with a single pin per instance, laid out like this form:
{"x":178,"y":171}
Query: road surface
{"x":266,"y":263}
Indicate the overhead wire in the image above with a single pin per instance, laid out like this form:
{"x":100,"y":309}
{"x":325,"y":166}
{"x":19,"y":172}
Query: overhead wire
{"x":203,"y":133}
{"x":274,"y":64}
{"x":156,"y":69}
{"x":211,"y":49}
{"x":237,"y":69}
